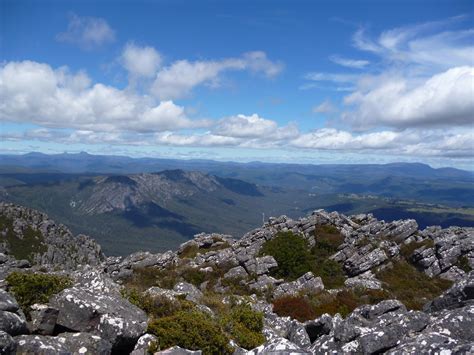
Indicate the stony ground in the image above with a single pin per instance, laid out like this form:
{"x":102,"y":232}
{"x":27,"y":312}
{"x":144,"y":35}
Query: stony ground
{"x":93,"y":313}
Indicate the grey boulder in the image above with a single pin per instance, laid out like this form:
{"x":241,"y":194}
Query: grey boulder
{"x":108,"y":316}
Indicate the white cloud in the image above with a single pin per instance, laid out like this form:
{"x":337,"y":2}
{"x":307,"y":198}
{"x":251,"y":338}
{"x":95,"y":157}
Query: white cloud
{"x":424,"y":77}
{"x":87,"y":32}
{"x":337,"y":78}
{"x":350,"y":63}
{"x":140,"y":61}
{"x":195,"y":140}
{"x":325,"y":107}
{"x":410,"y":142}
{"x":443,"y":99}
{"x":253,"y":126}
{"x":178,"y":79}
{"x":36,"y":93}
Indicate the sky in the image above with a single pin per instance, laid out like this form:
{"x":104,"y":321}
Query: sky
{"x":276,"y":81}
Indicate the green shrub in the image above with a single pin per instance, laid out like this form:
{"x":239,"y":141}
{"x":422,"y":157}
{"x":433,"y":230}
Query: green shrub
{"x":411,"y":286}
{"x":244,"y":325}
{"x":31,"y":288}
{"x":191,"y":330}
{"x":331,"y":273}
{"x":291,"y":253}
{"x":296,"y":307}
{"x":406,"y":250}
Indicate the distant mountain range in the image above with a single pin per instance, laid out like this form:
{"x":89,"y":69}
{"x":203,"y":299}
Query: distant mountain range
{"x":156,"y":204}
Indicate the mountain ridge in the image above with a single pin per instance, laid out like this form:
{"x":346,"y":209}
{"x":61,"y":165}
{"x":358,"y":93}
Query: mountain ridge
{"x":433,"y":312}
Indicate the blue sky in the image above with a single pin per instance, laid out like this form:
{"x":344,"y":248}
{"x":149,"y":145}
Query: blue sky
{"x":298,"y":81}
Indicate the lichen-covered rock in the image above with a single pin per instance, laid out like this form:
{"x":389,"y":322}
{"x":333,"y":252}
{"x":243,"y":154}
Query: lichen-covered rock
{"x":278,"y":346}
{"x":40,"y":345}
{"x":108,"y":316}
{"x":264,"y":282}
{"x":8,"y":302}
{"x":192,"y":293}
{"x":143,"y":343}
{"x":359,"y":263}
{"x":366,"y":280}
{"x":7,"y":344}
{"x":297,"y":334}
{"x":460,"y":294}
{"x":236,"y":272}
{"x":66,"y":343}
{"x":85,"y":343}
{"x":306,"y":283}
{"x":260,"y":265}
{"x":177,"y":350}
{"x":12,"y":323}
{"x":43,"y":319}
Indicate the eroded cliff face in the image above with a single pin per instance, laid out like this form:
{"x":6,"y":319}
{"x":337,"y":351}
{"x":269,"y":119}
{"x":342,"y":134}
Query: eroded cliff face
{"x":325,"y":283}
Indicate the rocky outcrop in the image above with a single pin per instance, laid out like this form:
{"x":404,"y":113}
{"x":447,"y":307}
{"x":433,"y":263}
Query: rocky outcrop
{"x":45,"y":242}
{"x":306,"y":283}
{"x":92,"y":316}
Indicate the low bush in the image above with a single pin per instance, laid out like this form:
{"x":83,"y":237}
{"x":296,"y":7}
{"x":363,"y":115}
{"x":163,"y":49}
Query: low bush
{"x":295,"y":257}
{"x":31,"y":288}
{"x":244,"y":325}
{"x":291,"y":253}
{"x":331,"y":273}
{"x":411,"y":286}
{"x":296,"y":307}
{"x":191,"y":330}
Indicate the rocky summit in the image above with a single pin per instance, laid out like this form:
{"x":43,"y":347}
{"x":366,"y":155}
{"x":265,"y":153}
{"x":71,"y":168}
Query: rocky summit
{"x":323,"y":284}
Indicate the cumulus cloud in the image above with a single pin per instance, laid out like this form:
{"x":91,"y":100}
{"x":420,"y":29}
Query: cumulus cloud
{"x":140,"y":61}
{"x":253,"y":126}
{"x":424,"y":77}
{"x":443,"y":99}
{"x":410,"y":142}
{"x":87,"y":32}
{"x":178,"y":79}
{"x":36,"y":93}
{"x":350,"y":63}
